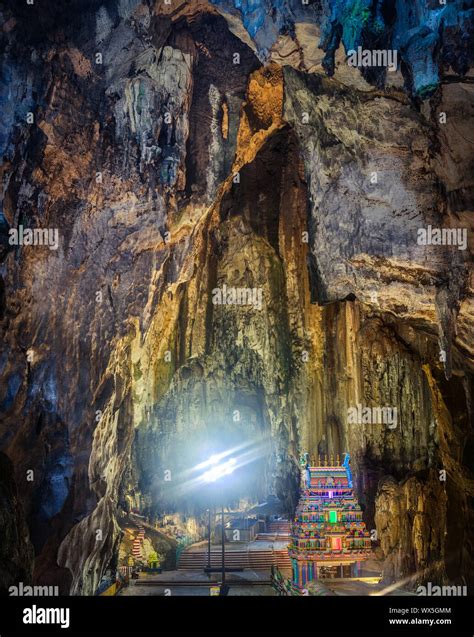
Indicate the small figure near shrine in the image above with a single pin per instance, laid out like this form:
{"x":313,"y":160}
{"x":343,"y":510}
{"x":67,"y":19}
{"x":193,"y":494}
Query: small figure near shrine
{"x":304,"y":464}
{"x":323,"y":446}
{"x":153,"y":562}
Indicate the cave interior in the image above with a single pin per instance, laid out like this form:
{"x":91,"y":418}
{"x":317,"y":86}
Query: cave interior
{"x":183,"y":149}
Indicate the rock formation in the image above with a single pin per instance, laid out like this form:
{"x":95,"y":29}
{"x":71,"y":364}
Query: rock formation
{"x":179,"y":148}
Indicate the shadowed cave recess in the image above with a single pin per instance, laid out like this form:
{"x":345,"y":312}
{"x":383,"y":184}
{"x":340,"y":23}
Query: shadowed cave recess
{"x":186,"y":146}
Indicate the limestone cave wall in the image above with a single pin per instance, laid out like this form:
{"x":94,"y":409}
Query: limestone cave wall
{"x":181,"y":147}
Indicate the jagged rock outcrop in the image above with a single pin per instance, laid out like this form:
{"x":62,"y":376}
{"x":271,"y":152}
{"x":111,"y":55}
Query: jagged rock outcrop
{"x":177,"y":151}
{"x":411,"y":520}
{"x":425,"y":35}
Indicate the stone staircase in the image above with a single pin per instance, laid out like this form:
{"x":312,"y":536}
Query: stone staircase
{"x":282,"y":527}
{"x":258,"y":559}
{"x":277,"y":530}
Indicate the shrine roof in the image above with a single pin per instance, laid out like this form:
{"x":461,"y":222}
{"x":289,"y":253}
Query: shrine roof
{"x":328,"y":471}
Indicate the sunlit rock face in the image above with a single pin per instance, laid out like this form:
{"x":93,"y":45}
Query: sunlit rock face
{"x":182,"y":152}
{"x":419,"y":509}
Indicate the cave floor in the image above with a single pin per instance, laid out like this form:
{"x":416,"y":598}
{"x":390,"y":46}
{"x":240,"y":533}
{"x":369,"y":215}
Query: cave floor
{"x":360,"y":586}
{"x":245,"y":583}
{"x":195,"y":582}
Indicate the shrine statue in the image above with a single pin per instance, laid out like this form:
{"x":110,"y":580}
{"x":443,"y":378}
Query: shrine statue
{"x":323,"y":446}
{"x":304,"y":460}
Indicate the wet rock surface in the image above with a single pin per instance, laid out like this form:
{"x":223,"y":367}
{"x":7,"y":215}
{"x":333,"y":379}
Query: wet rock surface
{"x":172,"y":168}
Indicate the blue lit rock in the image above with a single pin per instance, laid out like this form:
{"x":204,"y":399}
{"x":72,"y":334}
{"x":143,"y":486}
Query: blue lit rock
{"x":426,"y":35}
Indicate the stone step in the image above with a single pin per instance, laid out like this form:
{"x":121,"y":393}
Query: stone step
{"x":263,"y":559}
{"x":275,"y":523}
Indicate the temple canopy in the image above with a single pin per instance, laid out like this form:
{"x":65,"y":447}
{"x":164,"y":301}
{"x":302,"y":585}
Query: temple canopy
{"x":327,"y":529}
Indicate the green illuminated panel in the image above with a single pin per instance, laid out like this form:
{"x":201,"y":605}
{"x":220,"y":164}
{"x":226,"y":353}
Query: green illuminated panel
{"x":332,"y":516}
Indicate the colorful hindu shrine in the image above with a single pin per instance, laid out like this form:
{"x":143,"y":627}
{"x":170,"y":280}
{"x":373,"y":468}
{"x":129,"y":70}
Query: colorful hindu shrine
{"x":327,"y":533}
